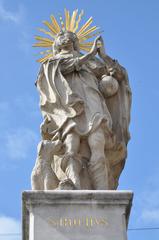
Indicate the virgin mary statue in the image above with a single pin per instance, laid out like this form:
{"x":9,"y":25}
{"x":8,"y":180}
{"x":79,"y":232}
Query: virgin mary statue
{"x":85,"y":102}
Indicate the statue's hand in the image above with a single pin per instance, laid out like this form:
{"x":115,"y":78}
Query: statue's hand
{"x":101,"y":49}
{"x":117,"y":72}
{"x":94,"y":48}
{"x":83,"y":59}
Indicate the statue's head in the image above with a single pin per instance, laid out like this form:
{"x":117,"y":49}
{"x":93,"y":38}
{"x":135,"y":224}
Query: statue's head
{"x":66,"y":39}
{"x":67,"y":33}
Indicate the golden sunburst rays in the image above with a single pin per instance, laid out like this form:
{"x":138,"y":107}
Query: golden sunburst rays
{"x":70,"y":23}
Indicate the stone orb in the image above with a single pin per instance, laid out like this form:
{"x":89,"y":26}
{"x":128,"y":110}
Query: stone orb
{"x":108,"y":86}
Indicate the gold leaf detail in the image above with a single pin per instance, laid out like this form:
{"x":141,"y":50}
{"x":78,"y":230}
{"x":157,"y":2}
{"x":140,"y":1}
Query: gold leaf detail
{"x":42,"y":44}
{"x":70,"y":23}
{"x":50,"y":26}
{"x":81,"y":39}
{"x":87,"y":49}
{"x":88,"y":32}
{"x":47,"y":33}
{"x":78,"y":21}
{"x":44,"y":58}
{"x":85,"y":26}
{"x":44,"y":39}
{"x":67,"y":19}
{"x":73,"y":19}
{"x":87,"y":44}
{"x":55,"y":24}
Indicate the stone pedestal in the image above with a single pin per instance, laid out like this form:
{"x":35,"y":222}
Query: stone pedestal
{"x":76,"y":215}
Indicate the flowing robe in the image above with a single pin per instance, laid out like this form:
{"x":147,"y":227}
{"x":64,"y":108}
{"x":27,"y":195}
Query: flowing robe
{"x":70,"y":98}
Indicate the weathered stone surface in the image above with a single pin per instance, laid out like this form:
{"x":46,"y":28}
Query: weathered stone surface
{"x":85,"y":101}
{"x":76,"y":215}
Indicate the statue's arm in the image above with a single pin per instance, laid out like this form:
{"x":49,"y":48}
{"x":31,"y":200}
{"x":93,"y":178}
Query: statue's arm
{"x":85,"y":58}
{"x":68,"y":65}
{"x":112,"y":65}
{"x":71,"y":64}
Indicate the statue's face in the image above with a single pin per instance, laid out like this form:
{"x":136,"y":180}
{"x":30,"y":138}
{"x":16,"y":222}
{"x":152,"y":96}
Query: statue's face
{"x":65,"y":40}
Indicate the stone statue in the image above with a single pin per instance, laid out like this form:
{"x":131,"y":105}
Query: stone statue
{"x":85,"y":101}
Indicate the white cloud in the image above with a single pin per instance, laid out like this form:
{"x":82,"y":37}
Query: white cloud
{"x":15,"y":17}
{"x":4,"y":112}
{"x":19,"y":142}
{"x":27,"y":104}
{"x":9,"y":226}
{"x":25,"y":42}
{"x":19,"y":19}
{"x":150,"y":215}
{"x":150,"y":206}
{"x":149,"y":201}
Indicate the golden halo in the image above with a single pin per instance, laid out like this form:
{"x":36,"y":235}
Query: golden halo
{"x":71,"y":23}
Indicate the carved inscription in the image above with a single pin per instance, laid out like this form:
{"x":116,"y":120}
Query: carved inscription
{"x":87,"y":222}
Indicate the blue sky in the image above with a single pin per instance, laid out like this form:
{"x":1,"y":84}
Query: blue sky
{"x":131,"y":35}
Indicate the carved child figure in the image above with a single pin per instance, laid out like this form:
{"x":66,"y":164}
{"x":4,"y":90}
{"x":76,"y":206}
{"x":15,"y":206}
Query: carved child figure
{"x":43,"y":176}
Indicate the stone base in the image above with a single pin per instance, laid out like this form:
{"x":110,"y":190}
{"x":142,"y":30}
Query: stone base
{"x":76,"y":215}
